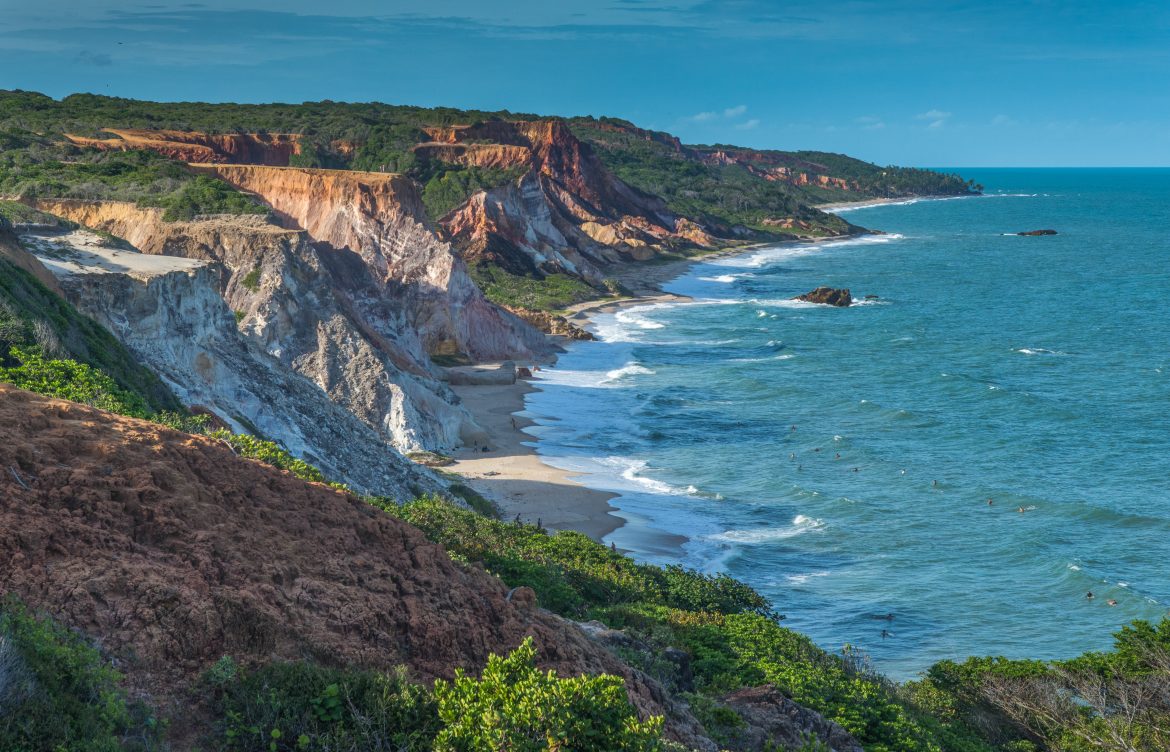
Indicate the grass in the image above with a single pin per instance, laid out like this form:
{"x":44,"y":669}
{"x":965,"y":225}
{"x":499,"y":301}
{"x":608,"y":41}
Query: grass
{"x":552,"y":292}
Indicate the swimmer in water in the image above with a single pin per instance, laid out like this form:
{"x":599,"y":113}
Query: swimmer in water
{"x":990,"y":502}
{"x":838,"y":456}
{"x":885,"y":634}
{"x":1111,"y":602}
{"x":1020,"y":510}
{"x":1089,"y":595}
{"x":857,"y":469}
{"x":792,"y":455}
{"x":934,"y":483}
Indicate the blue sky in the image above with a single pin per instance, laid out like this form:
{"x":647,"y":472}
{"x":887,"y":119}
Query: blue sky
{"x":914,"y":82}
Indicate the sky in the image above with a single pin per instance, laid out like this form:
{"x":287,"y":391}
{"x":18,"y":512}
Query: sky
{"x":908,"y":82}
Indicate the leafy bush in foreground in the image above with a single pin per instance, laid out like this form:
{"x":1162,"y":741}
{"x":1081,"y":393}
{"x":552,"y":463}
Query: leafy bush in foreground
{"x":68,"y":379}
{"x":58,"y":693}
{"x":305,"y":707}
{"x":517,"y":707}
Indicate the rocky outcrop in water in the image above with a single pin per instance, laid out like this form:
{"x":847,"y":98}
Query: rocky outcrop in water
{"x":1037,"y":232}
{"x":315,"y":309}
{"x":828,"y":296}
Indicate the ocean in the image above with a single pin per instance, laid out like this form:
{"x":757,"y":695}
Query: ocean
{"x":841,"y":460}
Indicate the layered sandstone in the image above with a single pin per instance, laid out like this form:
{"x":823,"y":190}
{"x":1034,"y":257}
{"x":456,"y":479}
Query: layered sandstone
{"x":380,"y":217}
{"x":192,"y":146}
{"x":316,"y":310}
{"x":172,"y":552}
{"x":567,"y":213}
{"x":169,"y":313}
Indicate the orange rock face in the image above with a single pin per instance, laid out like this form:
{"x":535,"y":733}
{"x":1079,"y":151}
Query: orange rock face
{"x":190,"y":146}
{"x":380,"y":217}
{"x":568,"y":213}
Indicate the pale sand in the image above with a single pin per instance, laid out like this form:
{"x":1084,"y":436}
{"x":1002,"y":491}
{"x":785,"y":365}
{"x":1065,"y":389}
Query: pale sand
{"x":512,"y":474}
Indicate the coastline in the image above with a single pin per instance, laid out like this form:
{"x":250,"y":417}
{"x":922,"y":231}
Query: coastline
{"x":512,"y":473}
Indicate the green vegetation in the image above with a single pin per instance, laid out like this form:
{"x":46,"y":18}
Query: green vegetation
{"x":449,"y":185}
{"x":33,"y":166}
{"x":270,"y":453}
{"x":251,"y":280}
{"x":68,"y":379}
{"x":58,"y":693}
{"x":306,"y":707}
{"x":16,"y":213}
{"x":43,"y":327}
{"x":517,"y":707}
{"x":1117,"y":701}
{"x":729,"y":630}
{"x":514,"y":706}
{"x":697,"y":184}
{"x":547,"y":292}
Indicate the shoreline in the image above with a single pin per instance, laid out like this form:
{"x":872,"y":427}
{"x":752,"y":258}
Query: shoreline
{"x":512,"y":473}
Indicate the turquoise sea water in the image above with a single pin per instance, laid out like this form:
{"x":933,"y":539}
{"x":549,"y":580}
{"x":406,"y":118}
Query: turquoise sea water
{"x":1031,"y":371}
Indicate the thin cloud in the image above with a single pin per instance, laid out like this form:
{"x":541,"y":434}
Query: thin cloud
{"x":703,"y":117}
{"x":748,"y":125}
{"x":937,"y":118}
{"x":871,"y":122}
{"x":734,"y":112}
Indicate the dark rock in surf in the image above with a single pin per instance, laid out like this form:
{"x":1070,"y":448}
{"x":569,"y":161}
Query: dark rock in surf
{"x":1037,"y":232}
{"x":828,"y":296}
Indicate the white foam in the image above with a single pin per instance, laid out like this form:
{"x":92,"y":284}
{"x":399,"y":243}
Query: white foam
{"x":1038,"y":351}
{"x":801,"y":524}
{"x":724,"y":278}
{"x":629,"y":369}
{"x":775,"y":254}
{"x":631,"y":317}
{"x":800,"y":579}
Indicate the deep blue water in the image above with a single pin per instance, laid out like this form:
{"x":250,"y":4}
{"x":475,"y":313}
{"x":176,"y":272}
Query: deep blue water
{"x":1031,"y":371}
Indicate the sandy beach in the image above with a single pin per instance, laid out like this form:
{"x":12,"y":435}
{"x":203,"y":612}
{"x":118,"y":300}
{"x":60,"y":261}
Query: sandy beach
{"x":511,"y":473}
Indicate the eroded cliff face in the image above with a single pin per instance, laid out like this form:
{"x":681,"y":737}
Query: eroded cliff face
{"x":318,"y":311}
{"x":169,"y":313}
{"x":566,"y":214}
{"x":192,"y":146}
{"x":380,"y":217}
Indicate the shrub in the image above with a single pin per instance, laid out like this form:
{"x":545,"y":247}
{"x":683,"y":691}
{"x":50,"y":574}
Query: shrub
{"x":305,"y":707}
{"x":68,"y":379}
{"x":251,"y":280}
{"x":270,"y":453}
{"x":514,"y":706}
{"x":58,"y":693}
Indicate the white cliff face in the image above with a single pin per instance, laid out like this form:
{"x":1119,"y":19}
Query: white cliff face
{"x":169,"y":313}
{"x":315,"y":309}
